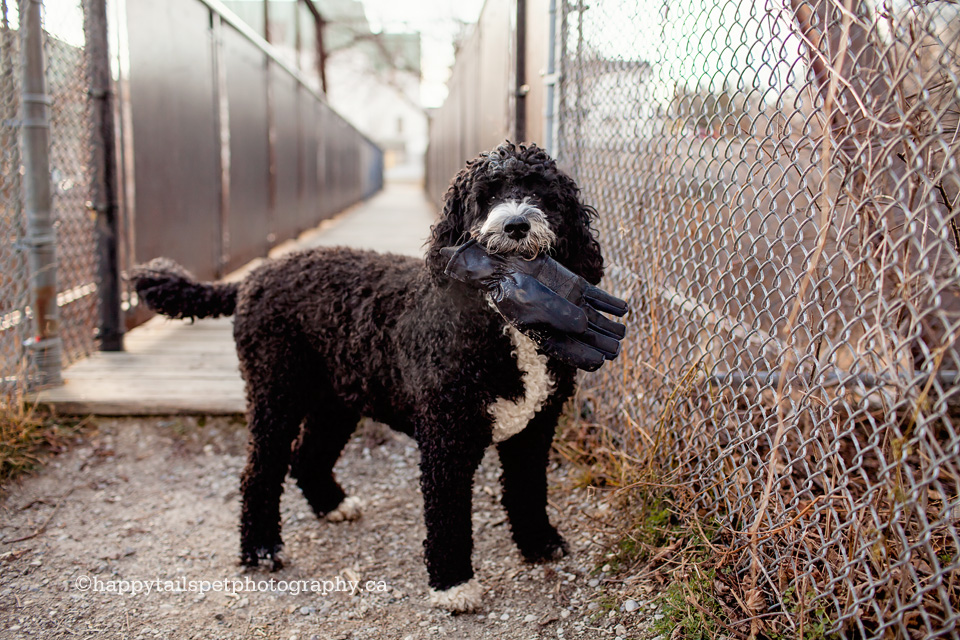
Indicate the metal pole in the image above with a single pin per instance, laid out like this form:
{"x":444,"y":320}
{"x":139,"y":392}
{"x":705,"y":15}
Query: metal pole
{"x":520,"y":114}
{"x":551,"y":81}
{"x":321,"y":51}
{"x":222,"y":118}
{"x":271,"y":137}
{"x":41,"y":238}
{"x":103,"y":162}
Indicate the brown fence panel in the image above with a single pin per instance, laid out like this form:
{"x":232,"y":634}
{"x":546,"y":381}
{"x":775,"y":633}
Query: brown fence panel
{"x":480,"y":110}
{"x":225,"y":167}
{"x":173,"y":135}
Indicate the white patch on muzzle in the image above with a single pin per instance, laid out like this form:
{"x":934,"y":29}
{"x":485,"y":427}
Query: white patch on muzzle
{"x":492,"y":235}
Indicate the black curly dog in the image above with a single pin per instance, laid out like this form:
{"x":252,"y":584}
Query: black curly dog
{"x":326,"y":336}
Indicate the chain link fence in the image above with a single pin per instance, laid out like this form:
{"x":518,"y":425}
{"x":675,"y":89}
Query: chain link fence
{"x":71,"y":135}
{"x":13,"y":282}
{"x":778,"y":187}
{"x":69,"y":154}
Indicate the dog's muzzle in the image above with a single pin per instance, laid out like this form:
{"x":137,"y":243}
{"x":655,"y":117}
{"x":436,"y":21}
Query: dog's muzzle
{"x":514,"y":227}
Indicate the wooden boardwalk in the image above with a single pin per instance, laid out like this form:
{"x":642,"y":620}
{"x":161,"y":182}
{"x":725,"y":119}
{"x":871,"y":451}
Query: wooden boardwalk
{"x":178,"y":367}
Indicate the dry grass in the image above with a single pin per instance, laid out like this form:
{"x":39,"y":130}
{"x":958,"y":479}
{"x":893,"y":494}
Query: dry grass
{"x":686,"y":526}
{"x":26,"y":435}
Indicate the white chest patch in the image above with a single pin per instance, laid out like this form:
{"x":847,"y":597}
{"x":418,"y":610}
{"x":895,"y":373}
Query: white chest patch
{"x":512,"y":416}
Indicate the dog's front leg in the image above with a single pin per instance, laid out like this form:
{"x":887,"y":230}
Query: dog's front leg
{"x":449,"y":456}
{"x":524,"y":460}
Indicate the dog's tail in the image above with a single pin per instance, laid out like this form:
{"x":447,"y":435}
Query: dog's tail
{"x":168,"y":288}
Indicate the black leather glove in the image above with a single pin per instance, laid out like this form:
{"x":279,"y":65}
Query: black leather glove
{"x":546,"y":301}
{"x":588,"y":297}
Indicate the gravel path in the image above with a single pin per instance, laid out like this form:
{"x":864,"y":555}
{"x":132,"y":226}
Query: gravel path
{"x":157,"y":499}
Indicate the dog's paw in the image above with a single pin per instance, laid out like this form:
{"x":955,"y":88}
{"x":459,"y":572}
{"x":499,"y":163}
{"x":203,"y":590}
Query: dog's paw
{"x":350,"y":509}
{"x":251,"y":559}
{"x":463,"y":598}
{"x":554,"y":549}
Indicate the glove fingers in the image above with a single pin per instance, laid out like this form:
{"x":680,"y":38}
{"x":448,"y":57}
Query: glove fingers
{"x":573,"y":352}
{"x":609,"y":347}
{"x":526,"y":302}
{"x":600,"y":299}
{"x":605,"y":325}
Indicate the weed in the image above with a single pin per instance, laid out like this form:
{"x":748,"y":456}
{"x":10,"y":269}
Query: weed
{"x":815,"y":618}
{"x":24,"y":434}
{"x":607,"y":603}
{"x":691,"y":605}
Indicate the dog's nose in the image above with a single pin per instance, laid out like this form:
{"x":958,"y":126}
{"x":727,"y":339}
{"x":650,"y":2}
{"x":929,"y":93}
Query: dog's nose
{"x":517,"y":227}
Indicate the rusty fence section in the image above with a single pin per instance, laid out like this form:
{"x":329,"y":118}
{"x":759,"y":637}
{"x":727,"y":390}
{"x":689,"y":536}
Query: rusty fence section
{"x":778,"y":185}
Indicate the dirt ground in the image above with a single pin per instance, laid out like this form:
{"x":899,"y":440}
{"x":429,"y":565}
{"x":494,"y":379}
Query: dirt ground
{"x":156,"y":500}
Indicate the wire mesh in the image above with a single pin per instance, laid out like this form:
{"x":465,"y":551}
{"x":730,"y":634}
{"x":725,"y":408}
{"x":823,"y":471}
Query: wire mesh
{"x":778,"y":187}
{"x":13,"y":268}
{"x":70,"y":122}
{"x":70,"y":173}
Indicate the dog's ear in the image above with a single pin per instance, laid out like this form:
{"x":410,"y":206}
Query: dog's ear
{"x":583,"y":254}
{"x":577,"y":247}
{"x":450,"y":229}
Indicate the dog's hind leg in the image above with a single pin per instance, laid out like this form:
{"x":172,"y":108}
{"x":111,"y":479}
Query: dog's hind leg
{"x":276,"y":379}
{"x":325,"y":432}
{"x":524,"y":460}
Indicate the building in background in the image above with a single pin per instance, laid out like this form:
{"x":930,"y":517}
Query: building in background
{"x":373,"y":79}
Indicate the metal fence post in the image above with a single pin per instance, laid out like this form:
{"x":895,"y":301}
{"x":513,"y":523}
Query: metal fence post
{"x":550,"y":79}
{"x":41,"y":237}
{"x":103,"y":161}
{"x":522,"y":89}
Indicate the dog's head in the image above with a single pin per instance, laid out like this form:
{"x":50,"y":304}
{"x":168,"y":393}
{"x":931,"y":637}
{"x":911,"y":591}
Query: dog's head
{"x":515,"y":201}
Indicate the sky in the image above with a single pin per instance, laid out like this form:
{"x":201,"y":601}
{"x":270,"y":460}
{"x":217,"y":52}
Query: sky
{"x":438,"y":22}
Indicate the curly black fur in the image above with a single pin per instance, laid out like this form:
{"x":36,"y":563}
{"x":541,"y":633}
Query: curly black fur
{"x":326,"y":336}
{"x":168,"y":288}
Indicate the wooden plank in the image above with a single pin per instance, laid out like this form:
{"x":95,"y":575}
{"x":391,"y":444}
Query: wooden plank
{"x":185,"y":375}
{"x":150,"y":396}
{"x":159,"y":407}
{"x":175,"y":346}
{"x":158,"y":365}
{"x":126,"y":385}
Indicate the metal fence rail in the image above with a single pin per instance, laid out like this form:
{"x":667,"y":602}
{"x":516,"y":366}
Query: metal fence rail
{"x":778,"y":187}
